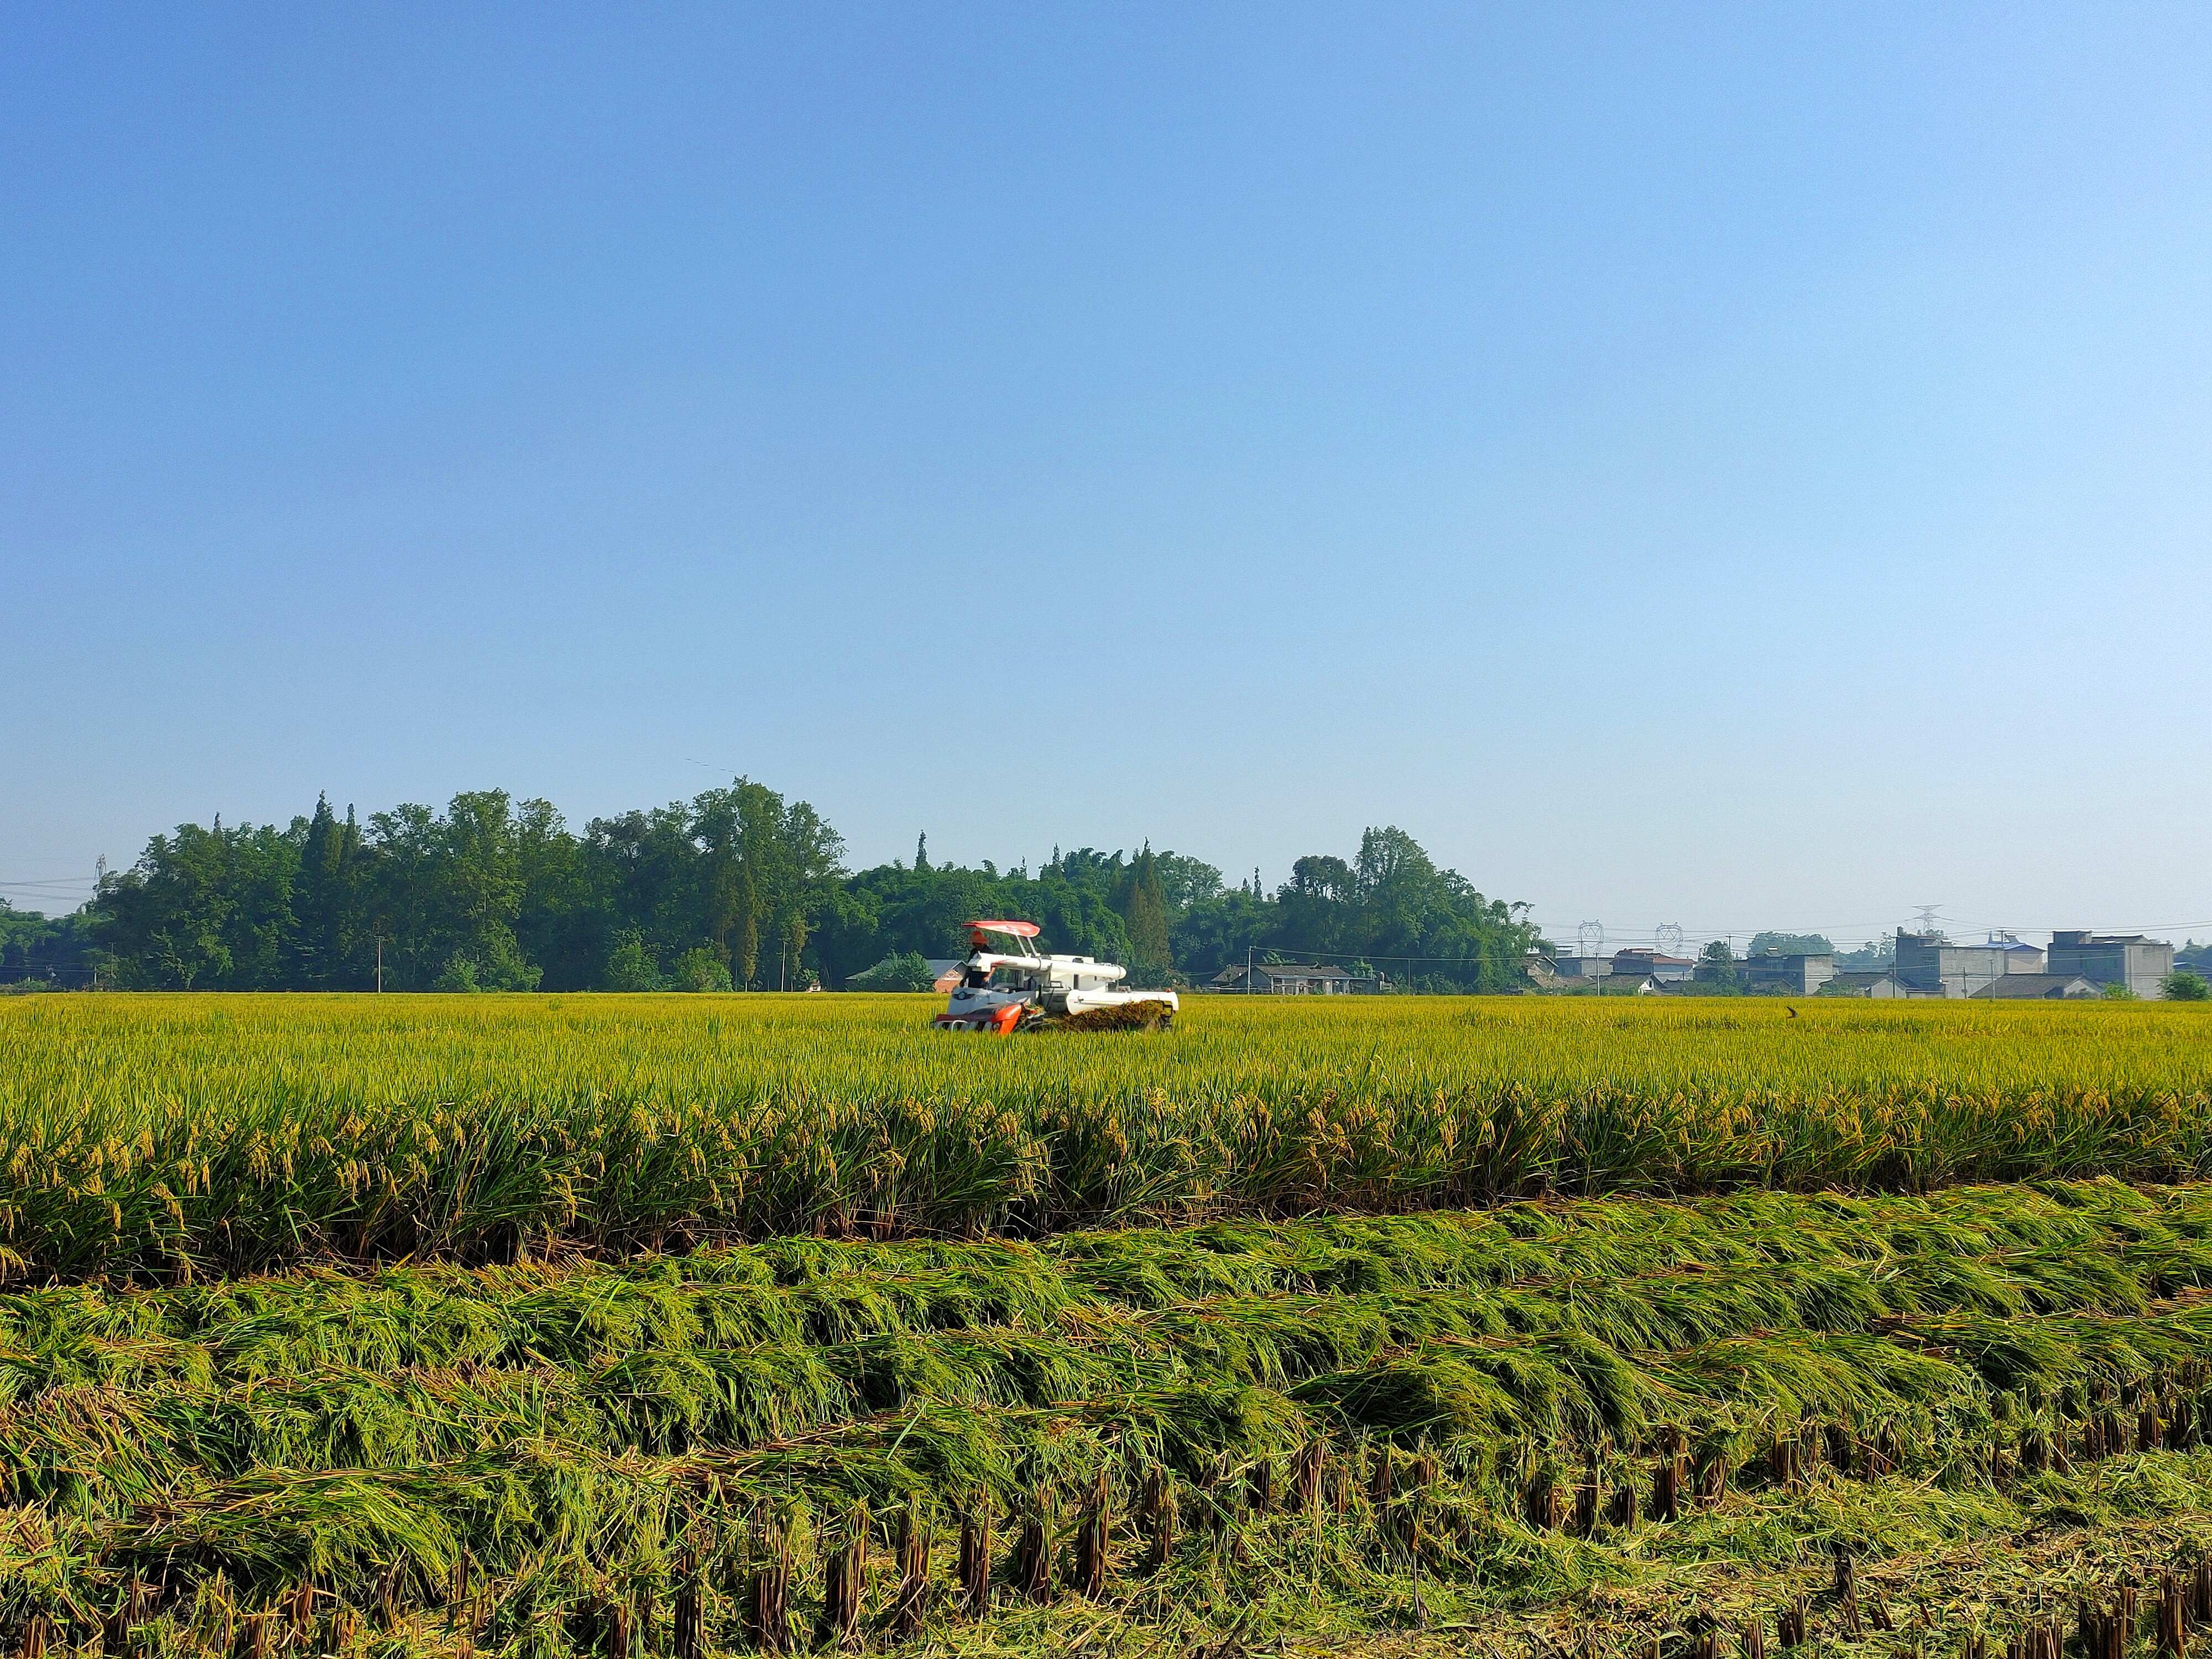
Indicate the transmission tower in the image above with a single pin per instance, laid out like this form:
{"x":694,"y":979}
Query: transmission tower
{"x":1589,"y":938}
{"x":1928,"y":917}
{"x":1669,"y":939}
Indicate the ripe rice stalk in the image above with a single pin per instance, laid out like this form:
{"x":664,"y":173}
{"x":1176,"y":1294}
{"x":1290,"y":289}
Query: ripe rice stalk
{"x":1309,"y":1477}
{"x":1589,"y":1496}
{"x":1792,"y":1625}
{"x":1032,"y":1562}
{"x":1626,"y":1509}
{"x":686,"y":1630}
{"x":975,"y":1557}
{"x":844,"y":1582}
{"x":1217,"y":1490}
{"x":1545,"y":1503}
{"x":2172,"y":1620}
{"x":1159,"y":1519}
{"x":1667,"y":1478}
{"x":768,"y":1614}
{"x":1712,"y":1476}
{"x":1380,"y":1497}
{"x":300,"y":1612}
{"x":910,"y":1604}
{"x":614,"y":1623}
{"x":1845,"y":1591}
{"x":1259,"y":1486}
{"x":1090,"y":1540}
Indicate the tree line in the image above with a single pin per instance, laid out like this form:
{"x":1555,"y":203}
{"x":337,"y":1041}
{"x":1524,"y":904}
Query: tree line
{"x":736,"y":888}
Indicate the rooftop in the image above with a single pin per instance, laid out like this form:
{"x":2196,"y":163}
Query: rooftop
{"x":1287,"y":970}
{"x":2031,"y":985}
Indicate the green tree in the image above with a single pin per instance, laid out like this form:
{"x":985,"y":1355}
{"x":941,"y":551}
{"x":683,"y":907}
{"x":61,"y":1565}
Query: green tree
{"x":460,"y":974}
{"x":204,"y":908}
{"x":562,"y":923}
{"x":1716,"y":970}
{"x":1144,"y":910}
{"x":2183,"y":986}
{"x":631,"y":966}
{"x":699,"y":968}
{"x":39,"y":950}
{"x":324,"y":945}
{"x":906,"y":971}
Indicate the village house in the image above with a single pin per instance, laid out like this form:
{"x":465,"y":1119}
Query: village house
{"x":2061,"y":987}
{"x":1297,"y":979}
{"x":2130,"y":959}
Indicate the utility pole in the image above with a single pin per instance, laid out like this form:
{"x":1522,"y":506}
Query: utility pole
{"x":1248,"y":955}
{"x":379,"y":964}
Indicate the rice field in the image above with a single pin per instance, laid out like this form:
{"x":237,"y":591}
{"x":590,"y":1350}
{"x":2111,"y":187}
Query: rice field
{"x":681,"y":1326}
{"x":167,"y":1136}
{"x":1626,"y":1414}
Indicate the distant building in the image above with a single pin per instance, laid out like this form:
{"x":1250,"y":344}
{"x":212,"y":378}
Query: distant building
{"x":1609,"y":985}
{"x":1794,"y":973}
{"x":1668,"y":970}
{"x":2128,"y":959}
{"x":1930,"y":963}
{"x":1880,"y":983}
{"x":2059,"y":987}
{"x":1296,"y":979}
{"x":1568,"y":967}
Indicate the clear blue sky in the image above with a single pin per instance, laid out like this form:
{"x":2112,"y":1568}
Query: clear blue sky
{"x":1741,"y":466}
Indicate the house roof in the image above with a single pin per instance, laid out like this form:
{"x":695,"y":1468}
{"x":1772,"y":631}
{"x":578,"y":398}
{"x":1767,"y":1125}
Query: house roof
{"x":2034,"y":985}
{"x":1607,"y":985}
{"x":1283,"y":971}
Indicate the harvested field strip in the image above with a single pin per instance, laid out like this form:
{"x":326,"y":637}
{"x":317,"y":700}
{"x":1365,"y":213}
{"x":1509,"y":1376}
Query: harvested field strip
{"x":1478,"y":1395}
{"x":165,"y":1136}
{"x":1938,"y":1562}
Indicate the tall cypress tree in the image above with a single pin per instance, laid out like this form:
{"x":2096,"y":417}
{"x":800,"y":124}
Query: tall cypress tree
{"x":1144,"y":911}
{"x":319,"y":901}
{"x":744,"y":957}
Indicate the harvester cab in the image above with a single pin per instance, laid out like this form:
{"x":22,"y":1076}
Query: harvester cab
{"x":1007,"y":982}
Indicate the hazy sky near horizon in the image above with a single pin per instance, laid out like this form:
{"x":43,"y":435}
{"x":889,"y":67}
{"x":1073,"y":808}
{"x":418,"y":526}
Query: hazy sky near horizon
{"x":1741,"y":466}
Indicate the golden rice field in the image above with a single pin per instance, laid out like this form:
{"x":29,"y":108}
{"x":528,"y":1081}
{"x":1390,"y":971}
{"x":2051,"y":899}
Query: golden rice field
{"x":672,"y":1327}
{"x":175,"y":1135}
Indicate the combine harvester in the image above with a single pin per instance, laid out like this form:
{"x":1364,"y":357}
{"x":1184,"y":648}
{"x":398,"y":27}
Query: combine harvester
{"x":1007,"y":985}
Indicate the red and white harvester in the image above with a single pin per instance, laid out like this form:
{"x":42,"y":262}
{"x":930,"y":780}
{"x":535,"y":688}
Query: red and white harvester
{"x":1006,"y":983}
